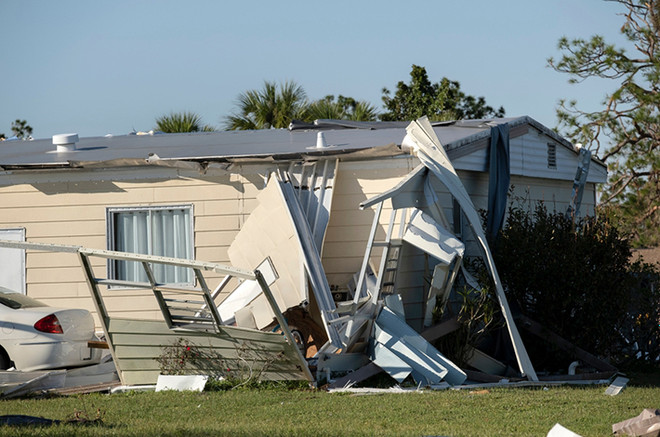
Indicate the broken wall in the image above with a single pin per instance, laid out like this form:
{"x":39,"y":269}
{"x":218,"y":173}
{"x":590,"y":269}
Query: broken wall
{"x":70,"y":207}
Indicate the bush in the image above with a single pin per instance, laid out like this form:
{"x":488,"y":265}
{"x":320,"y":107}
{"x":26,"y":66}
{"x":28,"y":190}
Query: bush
{"x":575,"y":278}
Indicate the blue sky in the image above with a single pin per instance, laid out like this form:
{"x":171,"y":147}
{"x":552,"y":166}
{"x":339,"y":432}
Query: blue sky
{"x":94,"y":67}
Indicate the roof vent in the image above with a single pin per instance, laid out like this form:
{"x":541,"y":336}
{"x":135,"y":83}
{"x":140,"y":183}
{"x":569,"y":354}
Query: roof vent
{"x":320,"y":141}
{"x":552,"y":155}
{"x":65,"y":142}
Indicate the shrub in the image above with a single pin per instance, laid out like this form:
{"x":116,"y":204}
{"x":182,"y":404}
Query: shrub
{"x":575,"y":278}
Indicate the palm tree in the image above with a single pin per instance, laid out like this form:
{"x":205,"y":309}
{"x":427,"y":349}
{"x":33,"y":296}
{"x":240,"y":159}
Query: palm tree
{"x":343,"y":108}
{"x":21,"y":129}
{"x":270,"y":107}
{"x":175,"y":122}
{"x":326,"y":109}
{"x":363,"y":111}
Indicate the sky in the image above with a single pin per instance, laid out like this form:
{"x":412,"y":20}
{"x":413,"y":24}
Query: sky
{"x":111,"y":67}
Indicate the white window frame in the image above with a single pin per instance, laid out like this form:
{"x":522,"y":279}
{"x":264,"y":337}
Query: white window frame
{"x":13,"y":271}
{"x":112,"y":213}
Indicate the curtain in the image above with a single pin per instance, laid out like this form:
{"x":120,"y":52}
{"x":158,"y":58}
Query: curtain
{"x":160,"y":232}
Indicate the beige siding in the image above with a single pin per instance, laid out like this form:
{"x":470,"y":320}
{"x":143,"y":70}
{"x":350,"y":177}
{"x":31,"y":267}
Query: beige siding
{"x":74,"y":213}
{"x":348,"y":230}
{"x":349,"y":227}
{"x":63,"y":208}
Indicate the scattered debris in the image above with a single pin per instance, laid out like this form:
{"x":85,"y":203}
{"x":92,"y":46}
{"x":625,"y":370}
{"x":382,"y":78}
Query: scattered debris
{"x":560,"y":431}
{"x":373,"y":391}
{"x":181,"y":382}
{"x":479,"y":392}
{"x":647,"y":424}
{"x":16,"y":383}
{"x":97,"y":377}
{"x":617,"y":386}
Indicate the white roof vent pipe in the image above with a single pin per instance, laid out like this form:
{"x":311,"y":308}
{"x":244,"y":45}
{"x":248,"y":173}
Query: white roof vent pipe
{"x":320,"y":141}
{"x":65,"y":142}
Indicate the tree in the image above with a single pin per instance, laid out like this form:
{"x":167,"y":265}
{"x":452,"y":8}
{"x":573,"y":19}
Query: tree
{"x":342,"y":108}
{"x":442,"y":100}
{"x":271,"y":107}
{"x":176,"y":122}
{"x":625,"y":132}
{"x":21,"y":129}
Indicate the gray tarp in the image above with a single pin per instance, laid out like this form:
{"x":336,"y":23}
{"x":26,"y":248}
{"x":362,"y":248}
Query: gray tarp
{"x":499,"y":176}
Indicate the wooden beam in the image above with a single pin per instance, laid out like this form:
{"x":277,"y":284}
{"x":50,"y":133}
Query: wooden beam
{"x":441,"y":329}
{"x":539,"y":330}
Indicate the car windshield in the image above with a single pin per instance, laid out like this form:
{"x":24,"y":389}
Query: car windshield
{"x":16,"y":301}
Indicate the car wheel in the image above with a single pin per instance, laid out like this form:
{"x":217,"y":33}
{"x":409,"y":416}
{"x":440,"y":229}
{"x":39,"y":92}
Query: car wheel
{"x":5,"y":362}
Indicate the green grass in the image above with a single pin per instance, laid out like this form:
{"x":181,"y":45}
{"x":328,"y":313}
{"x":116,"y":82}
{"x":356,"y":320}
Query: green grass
{"x":499,"y":412}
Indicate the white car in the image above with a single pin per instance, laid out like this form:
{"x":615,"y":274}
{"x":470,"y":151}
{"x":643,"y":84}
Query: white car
{"x":34,"y":336}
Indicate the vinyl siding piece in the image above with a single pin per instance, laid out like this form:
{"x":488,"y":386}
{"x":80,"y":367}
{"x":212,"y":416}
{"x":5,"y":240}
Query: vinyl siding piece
{"x":138,"y":343}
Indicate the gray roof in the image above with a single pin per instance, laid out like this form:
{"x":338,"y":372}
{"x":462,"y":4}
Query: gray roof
{"x":342,"y":139}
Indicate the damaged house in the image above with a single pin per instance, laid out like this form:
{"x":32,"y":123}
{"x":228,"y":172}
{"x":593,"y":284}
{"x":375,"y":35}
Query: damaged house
{"x":319,"y":249}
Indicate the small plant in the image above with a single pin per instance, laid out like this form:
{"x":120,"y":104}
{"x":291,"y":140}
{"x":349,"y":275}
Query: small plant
{"x":245,"y":368}
{"x":180,"y":358}
{"x":83,"y":418}
{"x":477,"y":316}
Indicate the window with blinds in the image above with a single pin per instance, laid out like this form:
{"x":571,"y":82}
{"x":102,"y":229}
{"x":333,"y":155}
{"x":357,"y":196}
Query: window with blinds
{"x":161,"y":231}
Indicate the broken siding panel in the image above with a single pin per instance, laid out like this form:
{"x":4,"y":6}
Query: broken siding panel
{"x":269,"y":232}
{"x":137,"y":363}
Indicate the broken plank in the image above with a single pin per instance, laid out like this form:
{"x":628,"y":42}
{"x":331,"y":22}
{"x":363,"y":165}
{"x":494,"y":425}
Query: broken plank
{"x":539,"y":330}
{"x":359,"y":375}
{"x":441,"y":329}
{"x":475,"y":375}
{"x":597,"y":376}
{"x":617,"y":386}
{"x":98,"y":344}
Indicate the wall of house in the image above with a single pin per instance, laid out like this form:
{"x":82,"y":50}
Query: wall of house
{"x":349,"y":227}
{"x":529,"y":158}
{"x":69,"y":207}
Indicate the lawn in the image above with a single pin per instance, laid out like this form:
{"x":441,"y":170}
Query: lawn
{"x":494,"y":412}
